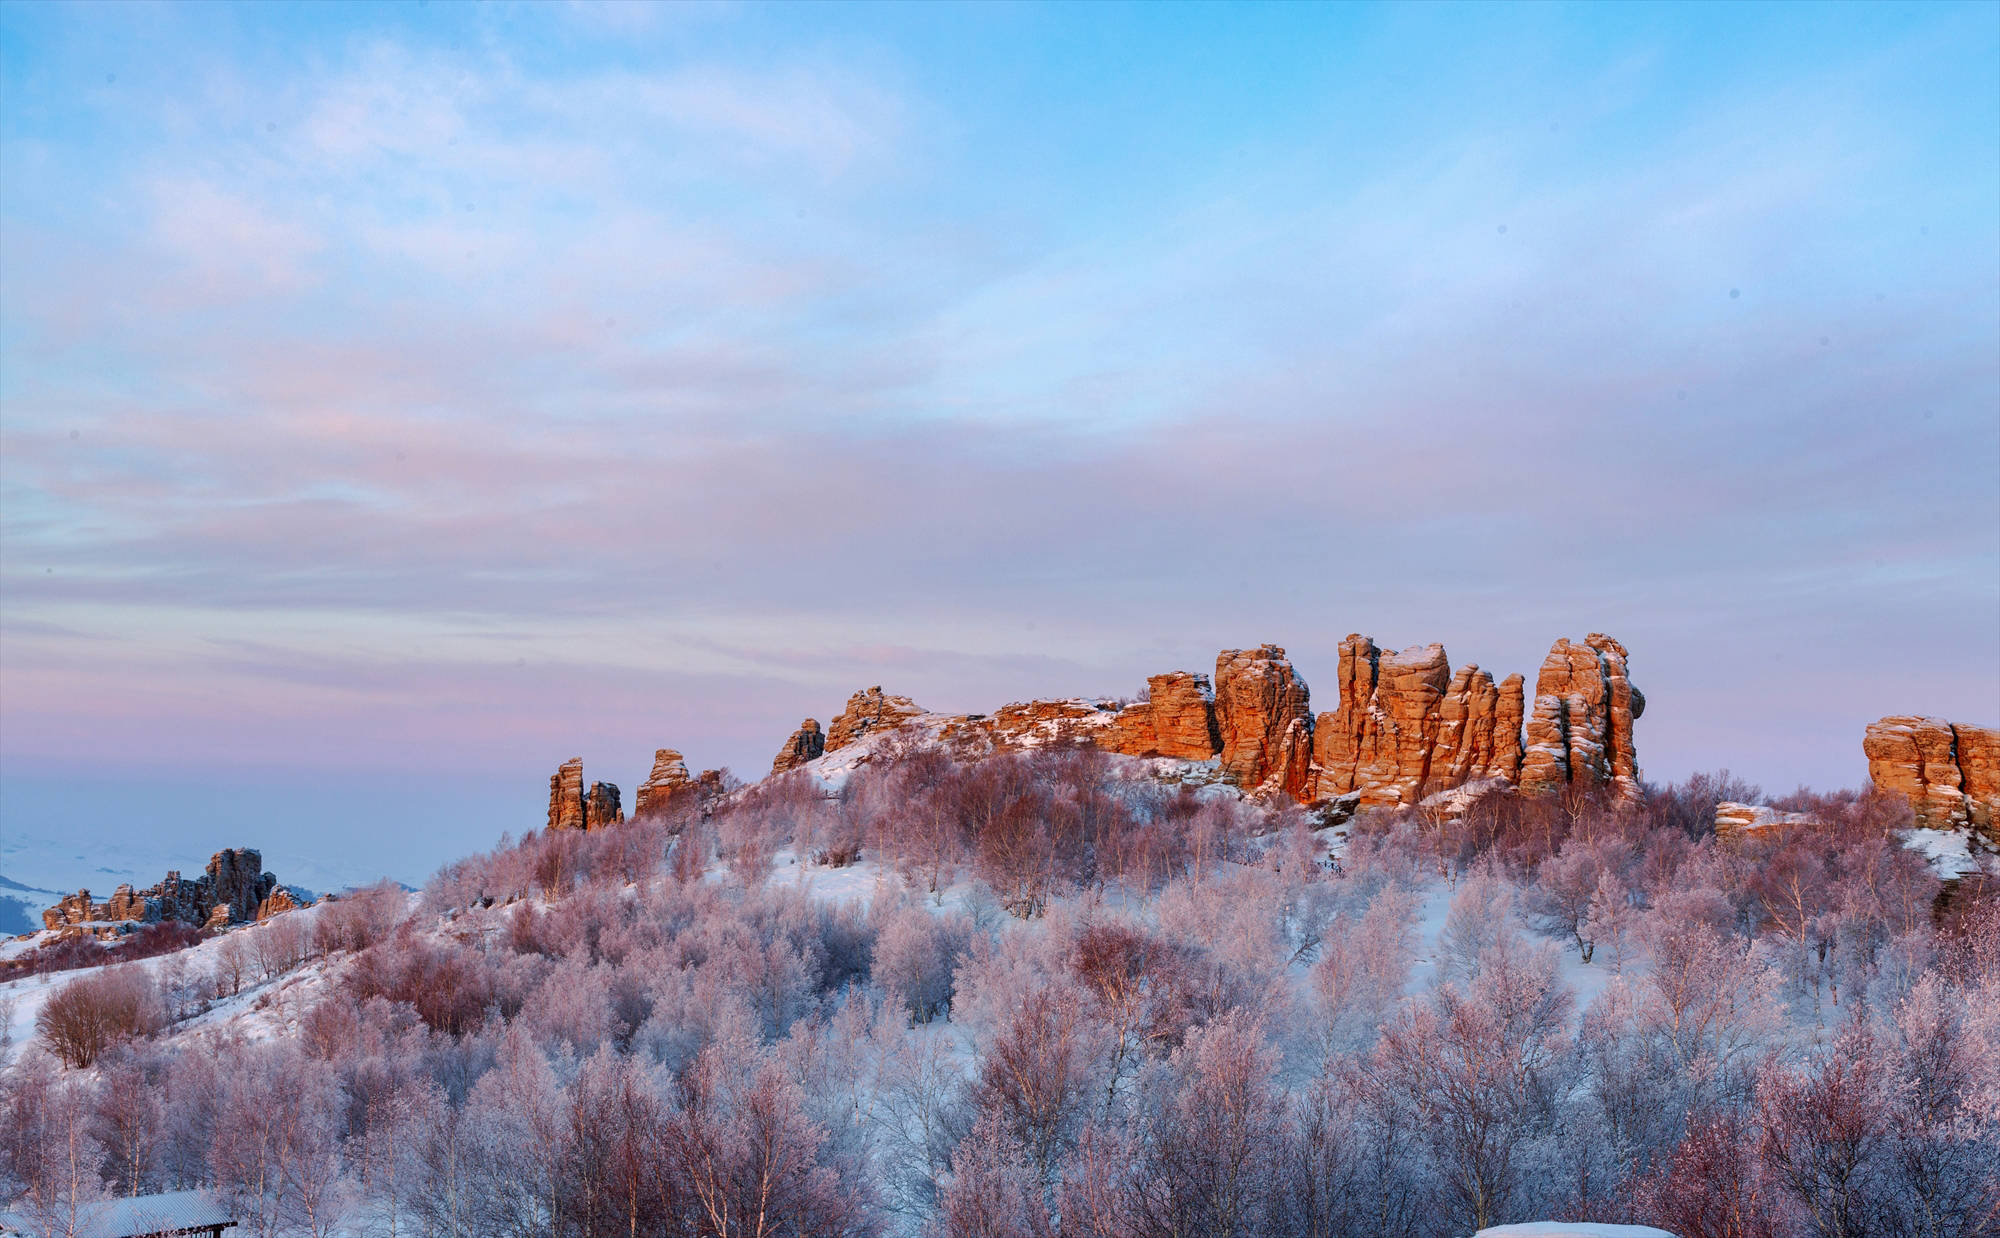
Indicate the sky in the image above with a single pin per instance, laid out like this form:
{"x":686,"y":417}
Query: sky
{"x":398,"y":400}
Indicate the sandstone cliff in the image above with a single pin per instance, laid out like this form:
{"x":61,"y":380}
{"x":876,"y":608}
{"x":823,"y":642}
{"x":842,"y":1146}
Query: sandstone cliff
{"x":1264,"y":721}
{"x":1580,"y":734}
{"x":1381,"y":739}
{"x":566,"y":796}
{"x":1949,"y":772}
{"x":1176,"y":720}
{"x":1407,"y":727}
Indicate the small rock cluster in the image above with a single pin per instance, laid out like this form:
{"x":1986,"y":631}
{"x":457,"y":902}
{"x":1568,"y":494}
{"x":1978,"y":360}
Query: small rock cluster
{"x":234,"y":890}
{"x":573,"y":808}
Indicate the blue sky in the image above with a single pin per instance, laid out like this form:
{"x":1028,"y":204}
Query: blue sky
{"x":414,"y":395}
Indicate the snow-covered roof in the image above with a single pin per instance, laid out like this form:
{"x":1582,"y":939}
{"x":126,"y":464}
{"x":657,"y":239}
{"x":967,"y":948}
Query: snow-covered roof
{"x":141,"y":1216}
{"x":1560,"y":1229}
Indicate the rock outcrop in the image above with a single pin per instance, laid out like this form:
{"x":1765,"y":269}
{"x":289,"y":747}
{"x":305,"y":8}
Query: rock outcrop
{"x":1479,"y":736}
{"x":1381,"y":739}
{"x":1580,"y":734}
{"x":278,"y":902}
{"x":566,"y":796}
{"x":601,"y":807}
{"x":1176,"y":720}
{"x":1407,"y":727}
{"x":236,"y":879}
{"x":1038,"y":724}
{"x":571,"y":807}
{"x":1263,"y":719}
{"x":668,"y":779}
{"x":234,"y":890}
{"x":1949,"y":772}
{"x":1736,"y":822}
{"x":805,"y":744}
{"x":868,"y":711}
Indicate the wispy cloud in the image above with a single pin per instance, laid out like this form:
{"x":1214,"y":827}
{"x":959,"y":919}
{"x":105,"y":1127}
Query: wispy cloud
{"x":474,"y":395}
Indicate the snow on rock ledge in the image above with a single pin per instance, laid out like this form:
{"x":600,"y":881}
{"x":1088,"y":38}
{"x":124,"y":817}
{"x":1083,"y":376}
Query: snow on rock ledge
{"x":1733,"y":820}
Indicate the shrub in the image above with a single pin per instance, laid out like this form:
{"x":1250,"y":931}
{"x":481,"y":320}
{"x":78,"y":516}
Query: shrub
{"x":92,"y":1013}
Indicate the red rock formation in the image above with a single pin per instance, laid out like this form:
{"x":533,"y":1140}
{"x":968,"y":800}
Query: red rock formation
{"x":1736,"y":823}
{"x":277,"y":902}
{"x":805,"y":744}
{"x":868,"y":711}
{"x":1264,"y":722}
{"x":566,"y":796}
{"x":1381,"y":739}
{"x":1034,"y":724}
{"x":1406,"y":727}
{"x":668,"y":779}
{"x":1949,"y":772}
{"x":1979,"y":774}
{"x":1479,"y":736}
{"x":1177,"y":720}
{"x":601,"y":807}
{"x":1581,"y":731}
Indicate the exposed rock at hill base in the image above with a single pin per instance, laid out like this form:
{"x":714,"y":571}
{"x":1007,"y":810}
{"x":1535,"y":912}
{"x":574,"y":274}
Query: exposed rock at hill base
{"x":805,"y":744}
{"x":668,"y":779}
{"x":601,"y":807}
{"x":1264,"y":721}
{"x":1949,"y":772}
{"x":1580,"y":734}
{"x":566,"y":796}
{"x":1176,"y":720}
{"x":868,"y":711}
{"x":1735,"y":822}
{"x":234,"y":890}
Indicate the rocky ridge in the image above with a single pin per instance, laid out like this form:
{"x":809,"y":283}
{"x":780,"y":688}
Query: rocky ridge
{"x":1406,"y":729}
{"x":235,"y":889}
